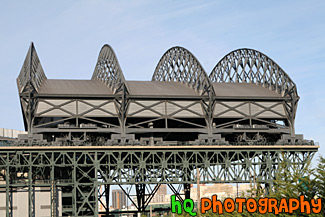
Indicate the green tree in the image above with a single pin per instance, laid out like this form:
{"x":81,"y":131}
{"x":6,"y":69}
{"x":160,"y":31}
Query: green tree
{"x":320,"y":181}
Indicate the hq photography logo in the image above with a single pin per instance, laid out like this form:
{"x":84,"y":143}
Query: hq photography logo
{"x":262,"y":205}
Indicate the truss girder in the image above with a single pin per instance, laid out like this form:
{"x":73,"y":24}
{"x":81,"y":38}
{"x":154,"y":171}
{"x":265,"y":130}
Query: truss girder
{"x":84,"y":171}
{"x":146,"y":166}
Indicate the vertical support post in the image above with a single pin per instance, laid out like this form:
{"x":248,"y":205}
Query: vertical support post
{"x":123,"y":113}
{"x":122,"y":106}
{"x":198,"y":190}
{"x":208,"y":108}
{"x":140,"y":190}
{"x":30,"y":89}
{"x":31,"y":196}
{"x":150,"y":211}
{"x":96,"y":198}
{"x":107,"y":196}
{"x":74,"y":184}
{"x":96,"y":184}
{"x":8,"y":192}
{"x":54,"y":198}
{"x":268,"y":188}
{"x":187,"y":191}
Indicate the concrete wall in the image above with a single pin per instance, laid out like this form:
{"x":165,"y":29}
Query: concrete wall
{"x":20,"y":202}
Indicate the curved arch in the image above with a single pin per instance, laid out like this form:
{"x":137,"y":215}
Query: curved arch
{"x":108,"y":70}
{"x":251,"y":66}
{"x":178,"y":64}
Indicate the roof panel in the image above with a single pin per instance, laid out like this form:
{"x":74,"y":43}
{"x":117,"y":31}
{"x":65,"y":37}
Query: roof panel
{"x":243,"y":90}
{"x":160,"y":88}
{"x":74,"y":87}
{"x":56,"y":87}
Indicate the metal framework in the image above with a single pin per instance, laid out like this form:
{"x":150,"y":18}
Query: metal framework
{"x":108,"y":70}
{"x":31,"y":75}
{"x":81,"y":172}
{"x":84,"y":136}
{"x":246,"y":98}
{"x":29,"y":81}
{"x":180,"y":65}
{"x":251,"y":66}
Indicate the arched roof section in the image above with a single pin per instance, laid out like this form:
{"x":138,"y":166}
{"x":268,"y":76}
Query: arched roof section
{"x":251,"y":66}
{"x":179,"y":65}
{"x":108,"y":70}
{"x":31,"y":71}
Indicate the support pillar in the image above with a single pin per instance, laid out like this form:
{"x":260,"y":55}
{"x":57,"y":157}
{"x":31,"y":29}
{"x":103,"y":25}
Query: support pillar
{"x":8,"y":194}
{"x":54,"y":196}
{"x":187,"y":191}
{"x":31,"y":194}
{"x":54,"y":200}
{"x":107,"y":196}
{"x":140,"y":190}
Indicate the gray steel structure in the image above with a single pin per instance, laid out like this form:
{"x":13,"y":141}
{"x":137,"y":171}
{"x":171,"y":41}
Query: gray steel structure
{"x":85,"y":135}
{"x":246,"y":98}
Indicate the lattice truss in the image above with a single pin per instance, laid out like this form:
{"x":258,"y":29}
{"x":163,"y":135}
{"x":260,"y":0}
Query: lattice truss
{"x":178,"y":64}
{"x":251,"y":66}
{"x":108,"y":70}
{"x":82,"y":173}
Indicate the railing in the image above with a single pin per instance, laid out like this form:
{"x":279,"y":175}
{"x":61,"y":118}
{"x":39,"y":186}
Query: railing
{"x":137,"y":143}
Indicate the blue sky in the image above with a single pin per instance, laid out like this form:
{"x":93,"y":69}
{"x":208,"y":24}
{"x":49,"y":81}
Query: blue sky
{"x":68,"y":36}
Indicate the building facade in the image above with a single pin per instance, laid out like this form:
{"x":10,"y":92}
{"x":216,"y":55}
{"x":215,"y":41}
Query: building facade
{"x":118,"y":199}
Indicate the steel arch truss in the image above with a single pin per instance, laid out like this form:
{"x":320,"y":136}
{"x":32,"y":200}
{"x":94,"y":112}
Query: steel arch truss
{"x":81,"y":172}
{"x":180,"y":65}
{"x":108,"y":70}
{"x":251,"y":66}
